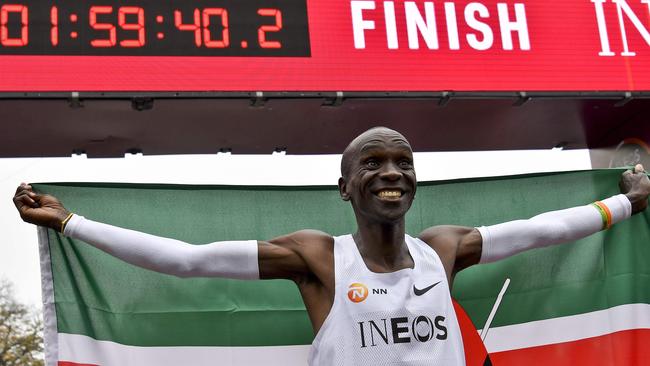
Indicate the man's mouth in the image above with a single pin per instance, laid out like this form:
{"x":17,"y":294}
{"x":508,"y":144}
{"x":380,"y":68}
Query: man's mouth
{"x":389,"y":194}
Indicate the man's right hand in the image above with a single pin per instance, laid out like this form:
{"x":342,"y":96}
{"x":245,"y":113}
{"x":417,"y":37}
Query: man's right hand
{"x":39,"y":209}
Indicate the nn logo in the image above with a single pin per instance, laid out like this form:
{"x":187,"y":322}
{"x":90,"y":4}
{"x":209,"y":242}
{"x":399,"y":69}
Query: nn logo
{"x":357,"y":292}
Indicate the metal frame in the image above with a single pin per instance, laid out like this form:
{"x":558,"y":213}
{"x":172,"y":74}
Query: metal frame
{"x":336,"y":95}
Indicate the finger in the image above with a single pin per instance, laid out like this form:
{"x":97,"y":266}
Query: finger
{"x":23,"y":187}
{"x":639,"y":168}
{"x":25,"y":200}
{"x":30,"y":194}
{"x":20,"y":188}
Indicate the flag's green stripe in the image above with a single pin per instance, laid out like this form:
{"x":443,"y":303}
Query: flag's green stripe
{"x":195,"y":328}
{"x":134,"y":306}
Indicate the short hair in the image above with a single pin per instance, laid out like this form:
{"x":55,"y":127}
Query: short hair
{"x":354,"y":145}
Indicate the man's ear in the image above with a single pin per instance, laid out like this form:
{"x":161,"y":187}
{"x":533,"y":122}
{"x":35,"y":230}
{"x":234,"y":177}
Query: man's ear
{"x":343,"y":189}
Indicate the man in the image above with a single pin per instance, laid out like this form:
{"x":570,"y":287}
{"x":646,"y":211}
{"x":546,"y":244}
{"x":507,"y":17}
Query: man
{"x":414,"y":324}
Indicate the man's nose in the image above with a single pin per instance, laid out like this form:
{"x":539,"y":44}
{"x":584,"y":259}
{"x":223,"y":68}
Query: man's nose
{"x":391,"y":172}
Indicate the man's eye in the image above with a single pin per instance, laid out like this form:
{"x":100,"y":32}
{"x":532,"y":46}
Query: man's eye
{"x":405,"y":164}
{"x":372,"y":164}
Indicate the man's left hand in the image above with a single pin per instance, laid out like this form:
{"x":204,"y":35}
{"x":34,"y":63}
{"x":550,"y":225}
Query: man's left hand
{"x":636,"y":186}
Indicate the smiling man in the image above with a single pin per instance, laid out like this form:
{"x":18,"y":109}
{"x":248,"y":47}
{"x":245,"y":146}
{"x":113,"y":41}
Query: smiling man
{"x":375,"y":297}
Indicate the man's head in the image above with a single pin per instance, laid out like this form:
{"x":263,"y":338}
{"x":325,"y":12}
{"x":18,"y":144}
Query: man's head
{"x":377,"y":175}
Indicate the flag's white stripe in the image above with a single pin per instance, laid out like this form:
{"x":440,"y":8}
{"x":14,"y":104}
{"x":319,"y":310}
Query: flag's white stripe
{"x":83,"y":349}
{"x":568,"y":328}
{"x":49,"y":309}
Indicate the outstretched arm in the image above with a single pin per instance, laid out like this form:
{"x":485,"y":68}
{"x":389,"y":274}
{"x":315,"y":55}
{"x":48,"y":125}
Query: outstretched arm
{"x":277,"y":258}
{"x":550,"y":228}
{"x":229,"y":259}
{"x":461,"y":247}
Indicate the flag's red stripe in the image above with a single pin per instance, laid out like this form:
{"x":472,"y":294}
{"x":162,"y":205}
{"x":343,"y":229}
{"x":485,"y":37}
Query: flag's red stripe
{"x":475,"y":352}
{"x":68,"y":363}
{"x":620,"y":348}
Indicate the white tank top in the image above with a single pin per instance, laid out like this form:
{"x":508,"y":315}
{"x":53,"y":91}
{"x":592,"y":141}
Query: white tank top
{"x":401,"y":318}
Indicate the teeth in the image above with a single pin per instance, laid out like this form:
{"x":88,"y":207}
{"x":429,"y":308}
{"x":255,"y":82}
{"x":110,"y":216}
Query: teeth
{"x":387,"y":194}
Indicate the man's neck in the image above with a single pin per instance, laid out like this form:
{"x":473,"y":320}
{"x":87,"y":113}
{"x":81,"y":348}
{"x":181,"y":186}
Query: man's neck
{"x":382,"y":246}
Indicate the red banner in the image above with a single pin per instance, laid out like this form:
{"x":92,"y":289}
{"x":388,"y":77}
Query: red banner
{"x":358,"y":45}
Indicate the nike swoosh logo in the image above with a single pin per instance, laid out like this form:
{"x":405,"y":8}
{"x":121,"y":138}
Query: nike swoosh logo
{"x":420,"y":292}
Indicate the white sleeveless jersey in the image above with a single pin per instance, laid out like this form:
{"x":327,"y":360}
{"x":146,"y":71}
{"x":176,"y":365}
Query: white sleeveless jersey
{"x":400,"y":318}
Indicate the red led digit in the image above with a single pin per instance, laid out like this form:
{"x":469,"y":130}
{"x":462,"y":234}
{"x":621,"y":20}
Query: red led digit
{"x":121,"y":20}
{"x":225,"y":36}
{"x":4,"y":30}
{"x":112,"y":33}
{"x":261,"y":32}
{"x":196,"y":27}
{"x":54,"y":19}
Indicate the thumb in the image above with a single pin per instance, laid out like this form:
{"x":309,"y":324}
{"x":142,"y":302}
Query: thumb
{"x":639,"y":168}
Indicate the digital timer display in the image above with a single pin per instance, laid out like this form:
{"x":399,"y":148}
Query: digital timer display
{"x":318,"y":46}
{"x":155,"y":28}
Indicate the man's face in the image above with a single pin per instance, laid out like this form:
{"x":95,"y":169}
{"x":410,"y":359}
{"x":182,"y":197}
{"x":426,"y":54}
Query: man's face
{"x":380,"y":179}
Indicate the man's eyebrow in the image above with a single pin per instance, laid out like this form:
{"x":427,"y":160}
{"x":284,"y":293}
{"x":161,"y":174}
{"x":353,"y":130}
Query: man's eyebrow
{"x":377,"y":146}
{"x":400,"y":140}
{"x":370,"y":146}
{"x":373,"y":144}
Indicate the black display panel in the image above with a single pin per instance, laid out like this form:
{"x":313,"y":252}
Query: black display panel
{"x":155,"y":28}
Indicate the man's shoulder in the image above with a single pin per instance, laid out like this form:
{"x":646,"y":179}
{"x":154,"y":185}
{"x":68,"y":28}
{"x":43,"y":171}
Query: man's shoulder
{"x":312,"y":239}
{"x":443,"y":233}
{"x":316,"y":248}
{"x":457,"y":246}
{"x":312,"y":234}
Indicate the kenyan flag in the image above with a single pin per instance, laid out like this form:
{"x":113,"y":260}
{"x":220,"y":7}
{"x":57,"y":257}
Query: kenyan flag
{"x":584,"y":303}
